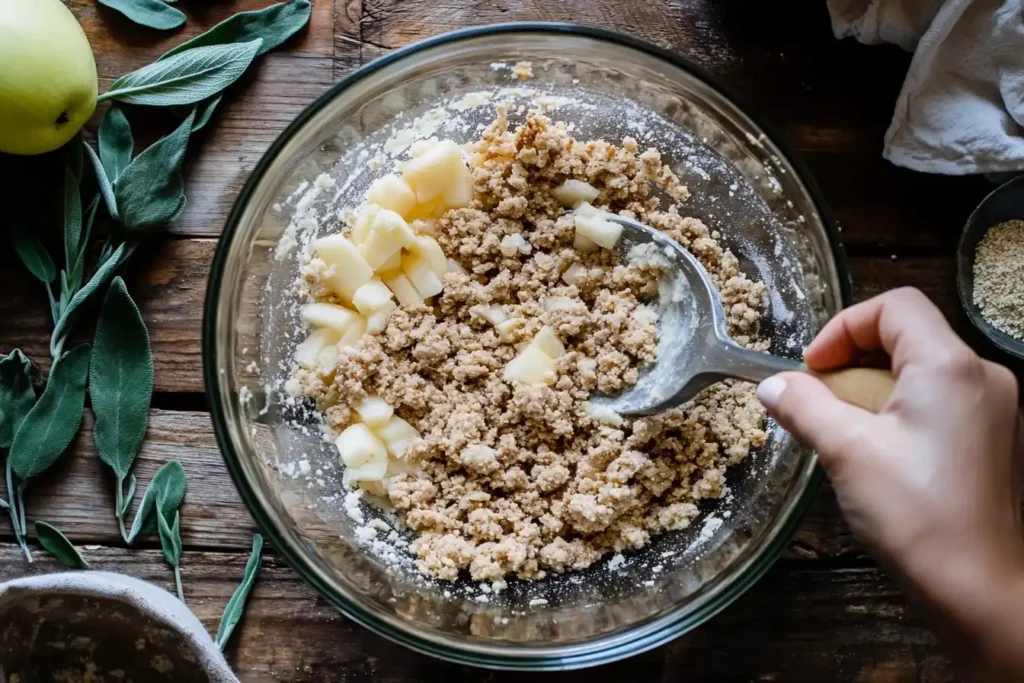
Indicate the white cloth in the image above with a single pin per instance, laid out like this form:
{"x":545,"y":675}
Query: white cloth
{"x":109,"y":617}
{"x":961,"y":109}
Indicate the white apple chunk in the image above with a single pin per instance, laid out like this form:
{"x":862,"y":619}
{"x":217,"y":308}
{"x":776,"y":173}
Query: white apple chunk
{"x":598,"y":229}
{"x":348,"y":268}
{"x":392,"y":265}
{"x":494,"y":314}
{"x":434,"y":171}
{"x":422,"y":277}
{"x":372,"y":296}
{"x":307,"y":353}
{"x":573,"y":192}
{"x":388,"y":233}
{"x":374,"y":412}
{"x":455,"y":267}
{"x":354,"y":333}
{"x":393,"y":193}
{"x":573,"y":273}
{"x":364,"y":219}
{"x":404,"y":290}
{"x":328,"y":358}
{"x":377,"y":321}
{"x":584,"y":244}
{"x":358,"y":446}
{"x":428,"y":211}
{"x":459,"y":192}
{"x":426,"y":248}
{"x":397,"y":435}
{"x":418,"y":148}
{"x":506,"y":329}
{"x":602,"y":414}
{"x":531,"y":366}
{"x":547,"y":341}
{"x":328,"y":315}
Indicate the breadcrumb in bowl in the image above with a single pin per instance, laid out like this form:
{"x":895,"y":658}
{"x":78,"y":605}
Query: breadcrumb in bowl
{"x":483,"y":542}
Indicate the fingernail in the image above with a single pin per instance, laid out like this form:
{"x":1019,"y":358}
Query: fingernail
{"x":769,"y":391}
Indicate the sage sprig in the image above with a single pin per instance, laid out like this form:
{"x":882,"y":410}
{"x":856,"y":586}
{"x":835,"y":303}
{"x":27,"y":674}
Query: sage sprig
{"x":17,"y":396}
{"x":236,"y":605}
{"x":170,"y":544}
{"x":115,"y":143}
{"x":58,"y":545}
{"x":273,"y":25}
{"x":121,"y":387}
{"x":155,"y":14}
{"x":185,"y":77}
{"x":161,"y":502}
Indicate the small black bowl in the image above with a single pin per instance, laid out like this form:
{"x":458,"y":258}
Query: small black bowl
{"x":1004,"y":203}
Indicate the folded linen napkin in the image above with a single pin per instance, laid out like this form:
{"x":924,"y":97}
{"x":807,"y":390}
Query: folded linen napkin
{"x":961,"y":109}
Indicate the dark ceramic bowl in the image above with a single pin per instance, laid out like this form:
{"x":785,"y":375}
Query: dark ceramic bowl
{"x":1003,"y":204}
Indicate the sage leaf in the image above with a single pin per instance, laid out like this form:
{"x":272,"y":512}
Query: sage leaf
{"x":236,"y":605}
{"x":120,"y":380}
{"x":166,"y":491}
{"x":72,"y":218}
{"x":186,"y":77}
{"x":204,"y":112}
{"x":151,"y":192}
{"x":59,"y":546}
{"x":105,"y":184}
{"x":17,"y":396}
{"x":53,"y":421}
{"x":128,"y":496}
{"x":98,"y":280}
{"x":274,"y":25}
{"x":115,"y":142}
{"x":170,"y":536}
{"x":149,"y":13}
{"x":78,"y":269}
{"x":32,"y":253}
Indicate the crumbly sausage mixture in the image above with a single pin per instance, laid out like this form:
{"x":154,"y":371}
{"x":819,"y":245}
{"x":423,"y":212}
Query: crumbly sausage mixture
{"x":514,"y":479}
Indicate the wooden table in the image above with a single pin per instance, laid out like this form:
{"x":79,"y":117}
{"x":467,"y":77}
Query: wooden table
{"x":825,"y":612}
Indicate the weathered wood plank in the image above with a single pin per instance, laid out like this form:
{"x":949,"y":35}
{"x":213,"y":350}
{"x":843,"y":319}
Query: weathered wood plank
{"x":788,"y":628}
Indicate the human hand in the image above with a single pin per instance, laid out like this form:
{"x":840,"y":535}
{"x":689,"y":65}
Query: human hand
{"x":929,"y":483}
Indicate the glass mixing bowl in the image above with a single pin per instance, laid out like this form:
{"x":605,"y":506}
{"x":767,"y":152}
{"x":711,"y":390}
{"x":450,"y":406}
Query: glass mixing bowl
{"x":743,"y":182}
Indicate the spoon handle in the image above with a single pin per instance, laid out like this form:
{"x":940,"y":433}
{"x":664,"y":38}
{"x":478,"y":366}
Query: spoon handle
{"x":868,"y":388}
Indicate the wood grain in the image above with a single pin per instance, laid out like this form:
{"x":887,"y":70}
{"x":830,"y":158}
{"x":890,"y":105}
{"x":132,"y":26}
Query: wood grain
{"x":787,"y":628}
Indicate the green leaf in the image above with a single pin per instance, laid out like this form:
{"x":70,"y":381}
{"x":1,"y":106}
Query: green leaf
{"x":98,"y":280}
{"x":32,"y":253}
{"x":78,"y":269}
{"x":120,"y":380}
{"x":204,"y":111}
{"x":105,"y":184}
{"x":236,"y":605}
{"x":151,"y":191}
{"x":274,"y":25}
{"x":59,"y":546}
{"x":166,"y":491}
{"x":129,"y":496}
{"x":151,"y":13}
{"x":170,"y":536}
{"x":186,"y":77}
{"x":115,"y":142}
{"x":52,"y":423}
{"x":17,"y":396}
{"x":72,"y":219}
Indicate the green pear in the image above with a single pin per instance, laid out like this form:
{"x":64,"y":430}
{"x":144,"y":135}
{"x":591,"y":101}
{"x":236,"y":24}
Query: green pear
{"x":48,"y":78}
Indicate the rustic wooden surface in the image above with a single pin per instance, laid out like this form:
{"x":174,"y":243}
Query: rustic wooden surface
{"x":824,"y":613}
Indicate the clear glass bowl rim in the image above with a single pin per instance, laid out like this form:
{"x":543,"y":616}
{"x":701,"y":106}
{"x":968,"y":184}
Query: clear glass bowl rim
{"x":595,"y":653}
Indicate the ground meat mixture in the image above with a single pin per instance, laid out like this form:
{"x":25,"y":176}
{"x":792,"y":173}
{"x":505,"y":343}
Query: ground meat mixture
{"x":519,"y":480}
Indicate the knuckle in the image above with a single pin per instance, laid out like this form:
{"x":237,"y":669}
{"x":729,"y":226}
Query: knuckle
{"x":1002,"y":379}
{"x":911,"y":296}
{"x":961,"y":362}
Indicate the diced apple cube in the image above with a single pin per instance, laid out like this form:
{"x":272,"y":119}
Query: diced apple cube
{"x":375,"y":412}
{"x":506,"y":329}
{"x":388,"y":233}
{"x":422,"y":277}
{"x":427,"y":249}
{"x":364,"y":219}
{"x":418,"y":148}
{"x":377,"y":321}
{"x":404,"y":290}
{"x":308,"y":352}
{"x":428,"y":211}
{"x":584,"y":244}
{"x":398,"y":435}
{"x":328,"y":358}
{"x":358,"y":446}
{"x":431,"y":173}
{"x":573,"y":192}
{"x":354,"y":333}
{"x":493,"y":314}
{"x":328,"y":315}
{"x":586,"y":209}
{"x":349,"y":269}
{"x":372,"y":296}
{"x":573,"y":273}
{"x":548,"y":342}
{"x":603,"y":414}
{"x":599,"y":230}
{"x":392,"y":265}
{"x":459,"y":192}
{"x":455,"y":267}
{"x":531,"y":366}
{"x":376,"y":488}
{"x":371,"y":471}
{"x":391,"y":192}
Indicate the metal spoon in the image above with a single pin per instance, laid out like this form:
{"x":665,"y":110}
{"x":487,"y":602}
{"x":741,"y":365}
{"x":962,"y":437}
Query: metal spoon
{"x":695,"y":350}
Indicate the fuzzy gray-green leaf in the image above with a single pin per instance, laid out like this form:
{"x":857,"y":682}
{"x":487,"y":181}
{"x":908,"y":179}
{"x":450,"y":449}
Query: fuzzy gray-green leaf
{"x":186,"y":77}
{"x":274,"y":25}
{"x":166,"y":490}
{"x":115,"y":142}
{"x":32,"y":253}
{"x":58,"y":545}
{"x":151,"y":192}
{"x":105,"y":184}
{"x":170,"y":536}
{"x":16,"y":394}
{"x":99,"y":279}
{"x":52,"y":423}
{"x":120,"y":380}
{"x":72,"y":218}
{"x":150,"y":13}
{"x":236,"y":605}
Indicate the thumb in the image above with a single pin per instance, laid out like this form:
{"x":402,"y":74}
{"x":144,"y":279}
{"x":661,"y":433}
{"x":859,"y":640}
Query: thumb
{"x":806,"y":408}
